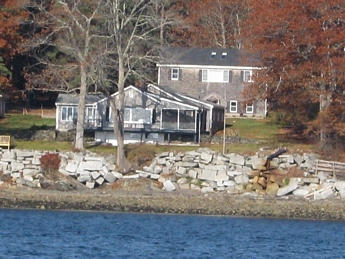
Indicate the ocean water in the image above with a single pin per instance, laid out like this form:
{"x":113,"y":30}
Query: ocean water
{"x":62,"y":234}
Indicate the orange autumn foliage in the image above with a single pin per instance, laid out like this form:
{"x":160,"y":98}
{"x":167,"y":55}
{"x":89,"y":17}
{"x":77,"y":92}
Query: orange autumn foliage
{"x":302,"y":48}
{"x":11,"y":15}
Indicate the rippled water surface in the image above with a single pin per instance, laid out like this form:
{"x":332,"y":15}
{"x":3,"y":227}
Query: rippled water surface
{"x":56,"y":234}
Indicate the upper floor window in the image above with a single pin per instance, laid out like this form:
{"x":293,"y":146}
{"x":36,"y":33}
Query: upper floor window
{"x":215,"y":76}
{"x":69,"y":113}
{"x":213,"y":55}
{"x":247,"y":76}
{"x":224,"y":54}
{"x":175,"y":74}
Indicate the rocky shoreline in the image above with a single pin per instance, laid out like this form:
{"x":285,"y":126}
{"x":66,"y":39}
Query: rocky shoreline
{"x":197,"y":182}
{"x":177,"y":203}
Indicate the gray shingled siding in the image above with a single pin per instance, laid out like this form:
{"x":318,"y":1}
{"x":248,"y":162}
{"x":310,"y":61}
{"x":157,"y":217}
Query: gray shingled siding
{"x":190,"y":84}
{"x":134,"y":99}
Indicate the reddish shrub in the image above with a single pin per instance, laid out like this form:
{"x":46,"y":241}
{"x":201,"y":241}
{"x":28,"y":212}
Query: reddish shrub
{"x":50,"y":164}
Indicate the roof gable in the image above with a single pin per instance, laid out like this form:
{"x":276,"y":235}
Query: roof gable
{"x":170,"y":93}
{"x":157,"y":95}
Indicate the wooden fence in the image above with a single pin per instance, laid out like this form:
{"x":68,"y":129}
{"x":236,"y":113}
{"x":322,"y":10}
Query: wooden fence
{"x":230,"y":132}
{"x":336,"y":169}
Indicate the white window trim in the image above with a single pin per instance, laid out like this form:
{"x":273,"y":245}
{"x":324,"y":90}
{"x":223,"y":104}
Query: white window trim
{"x":74,"y":113}
{"x":178,"y":117}
{"x":235,"y":111}
{"x":250,"y":107}
{"x":225,"y":75}
{"x":178,"y":122}
{"x":250,"y":76}
{"x":204,"y":76}
{"x":89,"y":113}
{"x":175,"y":72}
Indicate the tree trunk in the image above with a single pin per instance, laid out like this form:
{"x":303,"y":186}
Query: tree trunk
{"x":324,"y":104}
{"x":79,"y":136}
{"x":161,"y":27}
{"x":118,"y":111}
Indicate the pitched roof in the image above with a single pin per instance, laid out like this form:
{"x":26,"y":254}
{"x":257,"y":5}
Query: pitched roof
{"x":206,"y":57}
{"x":74,"y":99}
{"x":167,"y":93}
{"x":172,"y":94}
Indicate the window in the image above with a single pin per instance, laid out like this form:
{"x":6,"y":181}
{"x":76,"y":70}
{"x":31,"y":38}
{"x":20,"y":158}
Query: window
{"x":186,"y":119}
{"x":247,"y":76}
{"x":174,"y":74}
{"x":233,"y":106}
{"x":213,"y":55}
{"x":204,"y":75}
{"x":108,"y":116}
{"x":178,"y":119}
{"x":226,"y":76}
{"x":169,"y":118}
{"x":224,"y":54}
{"x":69,"y":113}
{"x":215,"y":76}
{"x":135,"y":135}
{"x":138,"y":115}
{"x":88,"y":114}
{"x":250,"y":109}
{"x":151,"y":135}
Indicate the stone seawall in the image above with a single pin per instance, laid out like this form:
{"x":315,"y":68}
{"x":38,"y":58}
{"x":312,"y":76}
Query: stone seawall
{"x":203,"y":170}
{"x":195,"y":182}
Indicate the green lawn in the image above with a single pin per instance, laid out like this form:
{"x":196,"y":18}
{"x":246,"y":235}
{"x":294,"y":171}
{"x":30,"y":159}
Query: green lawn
{"x":256,"y":129}
{"x":24,"y":122}
{"x":268,"y":134}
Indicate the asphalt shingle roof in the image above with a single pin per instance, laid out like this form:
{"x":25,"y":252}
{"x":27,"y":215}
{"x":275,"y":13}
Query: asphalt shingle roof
{"x":205,"y":57}
{"x":74,"y":99}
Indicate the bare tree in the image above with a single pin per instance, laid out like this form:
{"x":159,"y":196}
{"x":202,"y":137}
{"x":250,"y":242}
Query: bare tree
{"x":111,"y":42}
{"x":69,"y":26}
{"x":133,"y":28}
{"x":215,"y":23}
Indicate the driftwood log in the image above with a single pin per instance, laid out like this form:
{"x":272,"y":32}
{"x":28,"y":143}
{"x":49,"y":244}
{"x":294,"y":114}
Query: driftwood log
{"x":275,"y":154}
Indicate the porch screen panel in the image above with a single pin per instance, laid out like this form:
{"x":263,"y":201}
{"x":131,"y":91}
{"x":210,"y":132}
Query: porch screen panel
{"x":169,"y":119}
{"x":127,"y":115}
{"x":187,"y":120}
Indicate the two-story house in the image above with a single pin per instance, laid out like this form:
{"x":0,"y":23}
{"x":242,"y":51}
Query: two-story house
{"x":215,"y":75}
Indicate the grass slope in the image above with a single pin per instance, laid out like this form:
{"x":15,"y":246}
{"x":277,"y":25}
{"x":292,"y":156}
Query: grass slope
{"x":265,"y":131}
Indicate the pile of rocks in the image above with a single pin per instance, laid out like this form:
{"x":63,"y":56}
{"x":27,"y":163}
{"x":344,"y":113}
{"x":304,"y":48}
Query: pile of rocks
{"x":209,"y":171}
{"x":202,"y":170}
{"x":24,"y":168}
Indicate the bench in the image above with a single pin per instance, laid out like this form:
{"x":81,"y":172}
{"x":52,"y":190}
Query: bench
{"x":5,"y":141}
